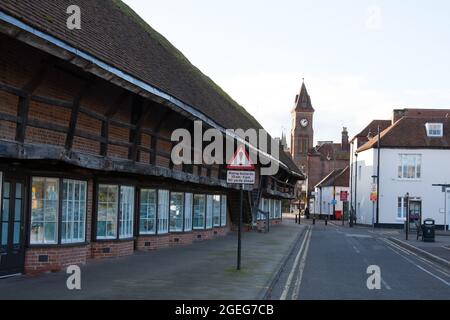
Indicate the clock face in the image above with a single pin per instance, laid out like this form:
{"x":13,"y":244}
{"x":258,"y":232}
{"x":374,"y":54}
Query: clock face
{"x":304,"y":123}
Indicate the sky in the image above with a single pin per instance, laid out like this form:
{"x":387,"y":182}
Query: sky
{"x":360,"y":59}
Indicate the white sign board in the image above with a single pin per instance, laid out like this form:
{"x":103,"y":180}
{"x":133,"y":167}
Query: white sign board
{"x":240,"y":177}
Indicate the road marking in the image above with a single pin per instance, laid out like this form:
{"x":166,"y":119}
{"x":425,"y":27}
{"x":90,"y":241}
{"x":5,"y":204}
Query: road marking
{"x":385,"y":284}
{"x":294,"y":266}
{"x":356,"y":249}
{"x":298,"y":282}
{"x":427,"y":262}
{"x":421,"y":268}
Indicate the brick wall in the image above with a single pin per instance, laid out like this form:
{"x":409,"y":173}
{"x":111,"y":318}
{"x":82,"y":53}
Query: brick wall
{"x":38,"y":260}
{"x":110,"y":249}
{"x":154,"y":242}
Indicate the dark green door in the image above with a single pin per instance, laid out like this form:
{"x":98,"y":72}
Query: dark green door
{"x":12,"y":253}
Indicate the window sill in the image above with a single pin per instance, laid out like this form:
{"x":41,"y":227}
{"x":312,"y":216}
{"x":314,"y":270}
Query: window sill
{"x":114,"y":240}
{"x":408,"y":180}
{"x":57,"y":245}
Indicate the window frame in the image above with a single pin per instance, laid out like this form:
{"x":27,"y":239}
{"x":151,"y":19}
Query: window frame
{"x":429,"y":128}
{"x":85,"y":209}
{"x":213,"y":211}
{"x":60,"y":178}
{"x":204,"y":212}
{"x":223,"y":199}
{"x":182,"y":211}
{"x":418,"y":174}
{"x":117,"y":238}
{"x":138,"y":212}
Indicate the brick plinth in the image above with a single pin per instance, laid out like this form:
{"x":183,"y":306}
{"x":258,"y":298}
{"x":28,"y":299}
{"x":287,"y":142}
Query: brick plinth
{"x":153,"y":242}
{"x":110,"y":249}
{"x":38,"y":260}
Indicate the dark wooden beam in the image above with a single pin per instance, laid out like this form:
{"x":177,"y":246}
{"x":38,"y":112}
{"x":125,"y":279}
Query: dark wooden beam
{"x":114,"y":108}
{"x":154,"y":142}
{"x":74,"y":114}
{"x":140,"y":112}
{"x":24,"y":100}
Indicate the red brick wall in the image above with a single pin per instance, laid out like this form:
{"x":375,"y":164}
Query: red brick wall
{"x":110,"y":249}
{"x":154,"y":242}
{"x":55,"y":258}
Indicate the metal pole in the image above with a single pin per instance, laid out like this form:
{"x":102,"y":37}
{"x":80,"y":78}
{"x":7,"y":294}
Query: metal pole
{"x":241,"y":199}
{"x":445,"y":208}
{"x":378,"y":176}
{"x":407,"y":217}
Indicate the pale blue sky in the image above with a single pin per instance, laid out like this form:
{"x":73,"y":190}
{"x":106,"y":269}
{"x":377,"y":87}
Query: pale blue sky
{"x":360,"y":59}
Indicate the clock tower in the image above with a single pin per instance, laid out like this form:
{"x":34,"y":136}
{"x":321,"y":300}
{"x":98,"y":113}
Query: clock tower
{"x":302,"y":134}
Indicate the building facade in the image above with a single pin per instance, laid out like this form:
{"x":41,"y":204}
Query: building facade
{"x":86,"y":118}
{"x":331,"y":195}
{"x":411,"y":158}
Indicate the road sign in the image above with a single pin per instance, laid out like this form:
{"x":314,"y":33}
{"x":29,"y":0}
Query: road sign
{"x":241,"y":160}
{"x":241,"y":177}
{"x":334,"y":202}
{"x":344,"y":195}
{"x":373,"y":193}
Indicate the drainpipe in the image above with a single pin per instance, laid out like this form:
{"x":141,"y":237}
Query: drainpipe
{"x":351,"y":187}
{"x":356,"y":184}
{"x":378,"y":179}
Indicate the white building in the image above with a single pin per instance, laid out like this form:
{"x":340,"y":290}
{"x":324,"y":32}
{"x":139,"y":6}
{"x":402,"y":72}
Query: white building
{"x":414,"y":155}
{"x":329,"y":190}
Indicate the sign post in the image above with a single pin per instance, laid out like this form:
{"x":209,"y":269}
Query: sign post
{"x":241,"y":171}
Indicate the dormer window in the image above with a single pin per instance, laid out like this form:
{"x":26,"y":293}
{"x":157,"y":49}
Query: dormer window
{"x":435,"y":129}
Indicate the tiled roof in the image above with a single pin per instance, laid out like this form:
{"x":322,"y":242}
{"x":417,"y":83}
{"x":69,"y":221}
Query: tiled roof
{"x":373,"y":128}
{"x":115,"y":34}
{"x":410,"y":132}
{"x":338,"y":177}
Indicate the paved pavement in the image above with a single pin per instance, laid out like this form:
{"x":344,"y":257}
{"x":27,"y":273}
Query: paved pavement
{"x":331,"y":262}
{"x":204,"y":270}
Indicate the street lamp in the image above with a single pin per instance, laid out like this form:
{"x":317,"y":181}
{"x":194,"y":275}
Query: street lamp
{"x":407,"y":214}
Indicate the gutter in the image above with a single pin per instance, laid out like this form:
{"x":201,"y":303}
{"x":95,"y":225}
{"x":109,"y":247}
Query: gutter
{"x":138,"y":83}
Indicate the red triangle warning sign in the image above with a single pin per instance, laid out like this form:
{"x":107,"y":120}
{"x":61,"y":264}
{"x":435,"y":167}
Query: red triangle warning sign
{"x":241,"y":160}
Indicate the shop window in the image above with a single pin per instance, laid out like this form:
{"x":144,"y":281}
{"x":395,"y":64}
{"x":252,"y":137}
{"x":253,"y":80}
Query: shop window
{"x":188,"y":212}
{"x":44,"y":211}
{"x":199,"y":211}
{"x":126,"y":212}
{"x":209,"y":211}
{"x":147,"y":211}
{"x":176,"y":211}
{"x":73,"y":224}
{"x":163,"y":211}
{"x":216,"y":210}
{"x":107,"y":211}
{"x":223,"y":211}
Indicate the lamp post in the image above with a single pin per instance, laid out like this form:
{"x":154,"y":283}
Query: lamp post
{"x":407,"y":214}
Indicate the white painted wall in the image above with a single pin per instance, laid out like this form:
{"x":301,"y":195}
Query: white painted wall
{"x":327,"y":197}
{"x":435,"y":169}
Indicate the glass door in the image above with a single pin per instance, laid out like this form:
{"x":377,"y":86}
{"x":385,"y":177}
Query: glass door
{"x":12,"y":227}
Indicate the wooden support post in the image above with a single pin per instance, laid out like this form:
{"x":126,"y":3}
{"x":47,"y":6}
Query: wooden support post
{"x":141,"y":112}
{"x":114,"y":108}
{"x":24,"y":101}
{"x":74,"y":115}
{"x":153,"y":143}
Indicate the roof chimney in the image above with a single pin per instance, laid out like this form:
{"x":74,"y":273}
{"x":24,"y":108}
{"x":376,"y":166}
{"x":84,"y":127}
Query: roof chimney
{"x":345,"y":144}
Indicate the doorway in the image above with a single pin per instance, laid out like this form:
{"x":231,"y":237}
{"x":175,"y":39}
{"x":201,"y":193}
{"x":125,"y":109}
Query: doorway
{"x":415,"y":214}
{"x":12,"y":249}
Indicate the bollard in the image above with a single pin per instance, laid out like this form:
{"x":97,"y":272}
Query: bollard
{"x":314,"y":220}
{"x":326,"y":222}
{"x":296,"y":219}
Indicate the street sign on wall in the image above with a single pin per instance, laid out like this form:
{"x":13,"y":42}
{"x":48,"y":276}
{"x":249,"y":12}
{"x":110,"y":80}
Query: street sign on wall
{"x":241,"y":177}
{"x":344,"y":195}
